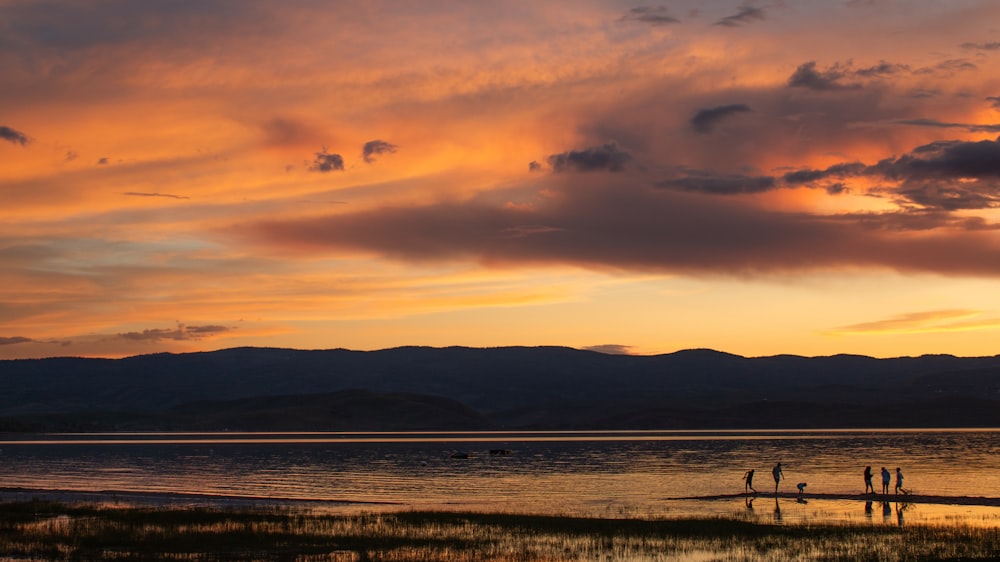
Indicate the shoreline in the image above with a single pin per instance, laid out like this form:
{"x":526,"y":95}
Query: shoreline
{"x":981,"y":501}
{"x":13,"y":494}
{"x":171,"y":498}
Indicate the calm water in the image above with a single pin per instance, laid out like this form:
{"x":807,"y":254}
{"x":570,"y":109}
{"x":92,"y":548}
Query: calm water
{"x":587,"y":473}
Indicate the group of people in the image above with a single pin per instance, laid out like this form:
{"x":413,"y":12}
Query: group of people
{"x":775,"y":472}
{"x":778,"y":475}
{"x":886,"y":479}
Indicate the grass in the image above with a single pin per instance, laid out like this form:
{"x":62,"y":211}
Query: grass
{"x":54,"y":531}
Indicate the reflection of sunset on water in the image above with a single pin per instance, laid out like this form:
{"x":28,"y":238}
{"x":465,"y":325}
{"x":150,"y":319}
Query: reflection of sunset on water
{"x":643,"y":474}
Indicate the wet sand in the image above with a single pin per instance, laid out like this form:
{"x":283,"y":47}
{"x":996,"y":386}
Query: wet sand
{"x":165,"y":498}
{"x":901,"y":498}
{"x":194,"y":499}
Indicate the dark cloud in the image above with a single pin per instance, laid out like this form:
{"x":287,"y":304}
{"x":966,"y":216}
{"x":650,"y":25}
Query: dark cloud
{"x":607,"y":157}
{"x":142,"y":194}
{"x":839,"y":171}
{"x":972,"y":128}
{"x":743,"y":16}
{"x":994,"y":101}
{"x":534,"y":166}
{"x":948,"y":66}
{"x":375,"y":148}
{"x":952,"y":159}
{"x":180,"y":333}
{"x":326,"y":162}
{"x":706,"y":119}
{"x":621,"y":225}
{"x":807,"y":76}
{"x":883,"y":68}
{"x":716,"y":184}
{"x":944,"y":175}
{"x":13,"y":135}
{"x":14,"y":340}
{"x":653,"y":15}
{"x":992,"y":46}
{"x":102,"y":161}
{"x":610,"y":349}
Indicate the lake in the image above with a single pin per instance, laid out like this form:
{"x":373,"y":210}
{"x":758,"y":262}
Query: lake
{"x":602,"y":473}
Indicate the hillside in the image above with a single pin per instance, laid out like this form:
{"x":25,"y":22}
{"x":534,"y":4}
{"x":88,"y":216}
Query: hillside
{"x":499,"y":387}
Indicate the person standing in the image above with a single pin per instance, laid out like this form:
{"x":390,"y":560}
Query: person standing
{"x":868,"y":480}
{"x":886,"y":478}
{"x":748,"y":478}
{"x":899,"y":481}
{"x":778,"y":475}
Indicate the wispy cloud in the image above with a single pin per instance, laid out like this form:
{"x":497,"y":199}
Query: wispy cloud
{"x":923,"y":322}
{"x":14,"y":340}
{"x":611,"y":349}
{"x":653,"y":15}
{"x":166,"y":195}
{"x":743,"y":16}
{"x":180,"y":333}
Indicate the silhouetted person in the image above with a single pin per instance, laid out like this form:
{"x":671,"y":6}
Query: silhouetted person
{"x":899,"y":481}
{"x":868,"y":480}
{"x":778,"y":475}
{"x":801,"y":486}
{"x":885,"y":480}
{"x":748,"y":478}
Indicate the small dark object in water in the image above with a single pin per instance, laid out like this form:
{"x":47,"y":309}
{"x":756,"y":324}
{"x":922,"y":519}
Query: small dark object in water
{"x":499,"y":452}
{"x":460,"y":455}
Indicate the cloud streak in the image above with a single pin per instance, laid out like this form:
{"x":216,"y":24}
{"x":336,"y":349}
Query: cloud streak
{"x":743,"y":16}
{"x":607,"y":157}
{"x":13,"y":135}
{"x":934,"y":321}
{"x":705,"y":120}
{"x":633,"y":228}
{"x":180,"y":333}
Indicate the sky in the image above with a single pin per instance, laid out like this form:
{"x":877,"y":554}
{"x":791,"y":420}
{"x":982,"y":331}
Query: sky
{"x":805,"y":177}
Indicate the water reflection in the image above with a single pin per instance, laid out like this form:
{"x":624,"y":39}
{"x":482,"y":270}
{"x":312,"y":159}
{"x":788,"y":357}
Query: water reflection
{"x":590,"y":473}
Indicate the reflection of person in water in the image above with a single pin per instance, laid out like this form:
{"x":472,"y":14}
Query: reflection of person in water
{"x":749,"y":502}
{"x":899,"y":481}
{"x":777,"y":510}
{"x":868,"y":480}
{"x":868,"y":509}
{"x":748,"y":478}
{"x":885,"y":480}
{"x":777,"y":474}
{"x":886,"y":510}
{"x":899,"y":514}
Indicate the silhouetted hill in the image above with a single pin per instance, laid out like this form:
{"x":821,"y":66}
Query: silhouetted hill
{"x":511,"y":387}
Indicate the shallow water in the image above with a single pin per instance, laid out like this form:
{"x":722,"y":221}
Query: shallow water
{"x":616,"y":474}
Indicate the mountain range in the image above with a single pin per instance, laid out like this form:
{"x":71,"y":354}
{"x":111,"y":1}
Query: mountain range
{"x":407,"y":388}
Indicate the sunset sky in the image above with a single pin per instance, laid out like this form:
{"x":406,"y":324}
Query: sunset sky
{"x":795,"y":176}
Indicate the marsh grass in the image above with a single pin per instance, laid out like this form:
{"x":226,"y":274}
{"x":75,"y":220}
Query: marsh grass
{"x":54,"y":531}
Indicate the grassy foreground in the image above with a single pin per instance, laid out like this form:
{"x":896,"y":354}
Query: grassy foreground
{"x":54,"y":531}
